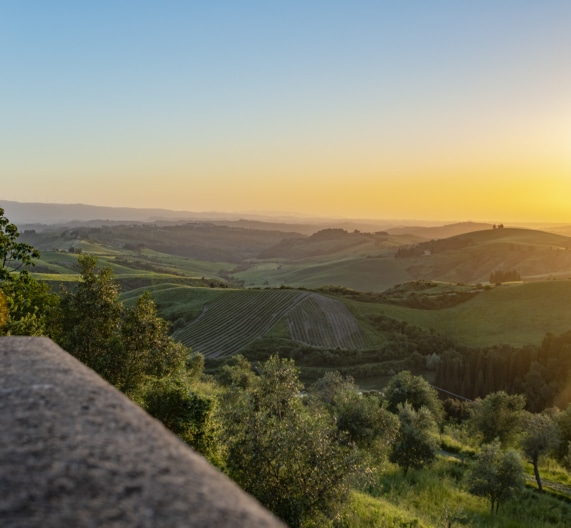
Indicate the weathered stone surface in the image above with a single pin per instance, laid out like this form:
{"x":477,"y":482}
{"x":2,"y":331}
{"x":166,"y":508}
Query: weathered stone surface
{"x":75,"y":452}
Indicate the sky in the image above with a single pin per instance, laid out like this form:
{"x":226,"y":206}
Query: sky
{"x":441,"y":109}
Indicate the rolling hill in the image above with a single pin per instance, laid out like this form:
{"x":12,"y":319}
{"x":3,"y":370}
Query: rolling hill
{"x":235,"y":319}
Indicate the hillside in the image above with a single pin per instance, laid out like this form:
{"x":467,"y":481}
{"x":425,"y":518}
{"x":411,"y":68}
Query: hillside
{"x":235,"y":319}
{"x":366,"y":262}
{"x":515,"y":314}
{"x":219,"y":322}
{"x":472,"y":257}
{"x":444,"y":231}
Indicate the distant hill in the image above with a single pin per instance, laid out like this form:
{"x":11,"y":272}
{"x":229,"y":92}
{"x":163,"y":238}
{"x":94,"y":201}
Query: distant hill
{"x":472,"y":257}
{"x":336,"y":243}
{"x":561,"y":230}
{"x":445,"y":231}
{"x":39,"y":215}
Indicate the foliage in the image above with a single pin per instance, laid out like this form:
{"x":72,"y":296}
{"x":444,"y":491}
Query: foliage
{"x":362,"y":418}
{"x":563,"y":452}
{"x":541,"y":436}
{"x":500,"y":276}
{"x":405,"y":387}
{"x":415,"y":446}
{"x":496,"y":475}
{"x":30,"y":306}
{"x":538,"y":372}
{"x":14,"y":255}
{"x":3,"y":310}
{"x":27,"y":304}
{"x":289,"y":458}
{"x":146,"y":348}
{"x":498,"y":416}
{"x":90,"y":318}
{"x":188,"y":412}
{"x":122,"y":345}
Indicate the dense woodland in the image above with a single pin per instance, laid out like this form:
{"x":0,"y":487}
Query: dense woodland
{"x":328,"y":454}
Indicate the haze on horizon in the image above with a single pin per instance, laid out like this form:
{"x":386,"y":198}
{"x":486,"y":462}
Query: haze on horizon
{"x":446,"y":109}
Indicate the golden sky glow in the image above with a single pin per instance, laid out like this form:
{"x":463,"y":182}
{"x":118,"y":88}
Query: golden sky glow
{"x":363,"y":110}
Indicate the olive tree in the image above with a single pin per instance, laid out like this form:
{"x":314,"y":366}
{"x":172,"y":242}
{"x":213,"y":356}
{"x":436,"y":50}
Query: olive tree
{"x":361,"y":417}
{"x":405,"y":387}
{"x":496,"y":474}
{"x":286,"y":454}
{"x":541,"y":435}
{"x":499,"y":415}
{"x":415,"y":445}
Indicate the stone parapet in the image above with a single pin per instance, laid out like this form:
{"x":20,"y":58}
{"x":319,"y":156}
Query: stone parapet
{"x":75,"y":452}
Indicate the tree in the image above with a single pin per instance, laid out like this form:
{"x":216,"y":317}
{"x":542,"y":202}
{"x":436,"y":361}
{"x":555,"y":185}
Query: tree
{"x":90,"y":318}
{"x":28,"y":302}
{"x":498,"y":415}
{"x":286,"y":454}
{"x":188,"y":412}
{"x":495,"y":474}
{"x":404,"y":387}
{"x":362,"y":418}
{"x":14,"y":255}
{"x":30,"y":306}
{"x":562,"y":452}
{"x":415,"y":446}
{"x":125,"y":346}
{"x":146,"y":348}
{"x":3,"y":309}
{"x":541,"y":435}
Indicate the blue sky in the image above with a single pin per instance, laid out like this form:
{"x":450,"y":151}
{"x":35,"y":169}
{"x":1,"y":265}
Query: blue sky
{"x":359,"y":109}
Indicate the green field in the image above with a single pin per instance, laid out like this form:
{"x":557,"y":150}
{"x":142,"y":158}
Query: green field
{"x":516,"y":314}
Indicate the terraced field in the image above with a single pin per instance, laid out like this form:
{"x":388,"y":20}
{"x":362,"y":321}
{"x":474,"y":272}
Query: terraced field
{"x":234,"y":320}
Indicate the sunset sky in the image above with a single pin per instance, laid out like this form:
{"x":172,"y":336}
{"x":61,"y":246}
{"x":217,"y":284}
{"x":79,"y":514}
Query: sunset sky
{"x":455,"y":110}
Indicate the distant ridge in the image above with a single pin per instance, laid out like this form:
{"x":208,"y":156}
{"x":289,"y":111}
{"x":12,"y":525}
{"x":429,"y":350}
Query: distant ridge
{"x":48,"y":213}
{"x":444,"y":231}
{"x":38,"y":214}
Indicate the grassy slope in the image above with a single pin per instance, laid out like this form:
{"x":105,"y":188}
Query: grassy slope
{"x":366,"y":265}
{"x":364,"y":274}
{"x":518,"y":314}
{"x":174,"y":300}
{"x":534,"y":254}
{"x":434,"y":496}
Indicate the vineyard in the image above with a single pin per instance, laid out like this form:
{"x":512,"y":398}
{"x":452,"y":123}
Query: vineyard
{"x":234,"y":320}
{"x":322,"y":321}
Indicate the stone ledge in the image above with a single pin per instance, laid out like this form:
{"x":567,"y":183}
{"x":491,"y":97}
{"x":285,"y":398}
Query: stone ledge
{"x":76,"y":452}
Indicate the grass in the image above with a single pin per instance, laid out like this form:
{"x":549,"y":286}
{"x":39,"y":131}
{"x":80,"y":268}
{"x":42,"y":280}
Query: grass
{"x":174,"y":300}
{"x":516,"y":314}
{"x":364,"y":274}
{"x":436,"y":496}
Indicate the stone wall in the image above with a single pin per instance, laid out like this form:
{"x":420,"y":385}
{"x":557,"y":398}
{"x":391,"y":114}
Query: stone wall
{"x":75,"y":452}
